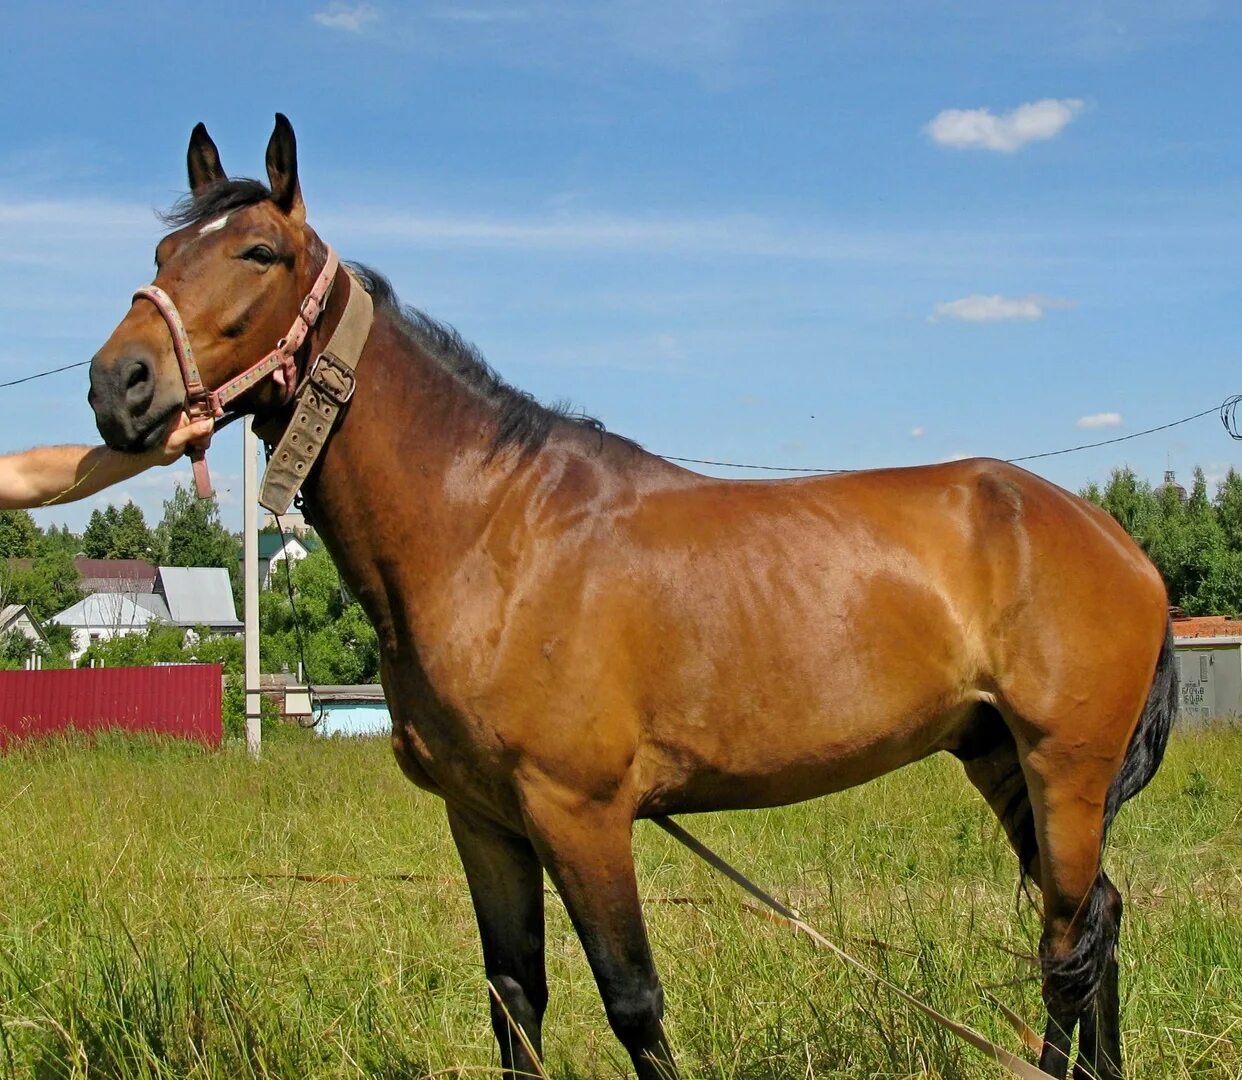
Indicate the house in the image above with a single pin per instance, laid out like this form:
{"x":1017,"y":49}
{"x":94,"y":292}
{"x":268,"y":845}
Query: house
{"x":18,"y":617}
{"x":184,"y":597}
{"x":273,"y":548}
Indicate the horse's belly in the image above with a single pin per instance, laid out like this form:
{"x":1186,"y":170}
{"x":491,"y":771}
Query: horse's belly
{"x":747,"y":765}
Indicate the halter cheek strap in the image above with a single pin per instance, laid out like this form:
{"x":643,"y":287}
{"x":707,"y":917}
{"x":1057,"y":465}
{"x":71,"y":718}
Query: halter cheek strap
{"x":280,"y":363}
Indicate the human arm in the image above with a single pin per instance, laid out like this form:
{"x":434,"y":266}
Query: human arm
{"x":50,"y":475}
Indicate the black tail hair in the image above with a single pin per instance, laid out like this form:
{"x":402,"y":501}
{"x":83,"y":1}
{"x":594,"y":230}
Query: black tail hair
{"x":1147,"y":744}
{"x":1071,"y":980}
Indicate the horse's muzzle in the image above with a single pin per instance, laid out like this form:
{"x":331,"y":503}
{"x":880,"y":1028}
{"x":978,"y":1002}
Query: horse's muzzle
{"x":122,"y":396}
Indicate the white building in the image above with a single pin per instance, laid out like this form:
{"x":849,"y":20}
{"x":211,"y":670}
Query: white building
{"x":274,"y":548}
{"x":184,"y":597}
{"x":18,"y":617}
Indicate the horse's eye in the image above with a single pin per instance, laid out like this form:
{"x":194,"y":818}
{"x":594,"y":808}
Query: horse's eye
{"x":261,"y":254}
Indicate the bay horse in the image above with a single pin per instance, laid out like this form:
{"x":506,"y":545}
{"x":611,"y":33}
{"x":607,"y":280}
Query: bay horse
{"x":576,"y":633}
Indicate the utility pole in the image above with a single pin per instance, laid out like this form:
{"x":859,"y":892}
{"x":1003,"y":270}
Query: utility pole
{"x":250,"y":559}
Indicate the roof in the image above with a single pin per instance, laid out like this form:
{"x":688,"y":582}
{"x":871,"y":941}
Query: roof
{"x":272,"y":542}
{"x":107,"y":575}
{"x":1206,"y":626}
{"x":10,"y":615}
{"x":105,"y":611}
{"x":126,"y":570}
{"x":199,"y":596}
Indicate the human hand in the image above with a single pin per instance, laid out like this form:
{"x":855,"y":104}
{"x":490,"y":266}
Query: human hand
{"x":181,"y":436}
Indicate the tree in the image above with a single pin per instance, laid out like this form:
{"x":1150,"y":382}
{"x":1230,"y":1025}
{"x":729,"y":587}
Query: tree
{"x":114,"y":533}
{"x":1196,"y":544}
{"x":340,"y":643}
{"x":48,"y":586}
{"x":1229,"y":508}
{"x":190,"y":533}
{"x":97,"y":539}
{"x":19,"y":535}
{"x":60,"y":540}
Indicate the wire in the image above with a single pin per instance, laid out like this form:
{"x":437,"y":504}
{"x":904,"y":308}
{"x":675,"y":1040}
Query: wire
{"x":1227,"y":411}
{"x":44,"y":374}
{"x":1120,"y":438}
{"x":766,"y":468}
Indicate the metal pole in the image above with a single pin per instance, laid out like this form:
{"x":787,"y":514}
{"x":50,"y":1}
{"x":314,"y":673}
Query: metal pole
{"x":250,"y":549}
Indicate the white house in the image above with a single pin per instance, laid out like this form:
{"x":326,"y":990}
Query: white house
{"x":18,"y":617}
{"x":273,"y":548}
{"x":184,"y":597}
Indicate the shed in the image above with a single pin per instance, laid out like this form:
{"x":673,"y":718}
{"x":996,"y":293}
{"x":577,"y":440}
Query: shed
{"x":1210,"y":677}
{"x":352,"y":710}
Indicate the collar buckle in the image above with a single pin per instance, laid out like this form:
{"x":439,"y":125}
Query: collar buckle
{"x":333,"y":379}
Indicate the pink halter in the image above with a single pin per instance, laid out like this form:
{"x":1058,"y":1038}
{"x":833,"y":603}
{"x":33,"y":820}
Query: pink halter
{"x":280,"y":363}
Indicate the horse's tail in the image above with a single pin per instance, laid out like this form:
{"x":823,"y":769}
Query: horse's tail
{"x":1080,"y":973}
{"x":1147,"y":744}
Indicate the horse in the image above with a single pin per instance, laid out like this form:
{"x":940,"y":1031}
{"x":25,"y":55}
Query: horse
{"x":576,"y":633}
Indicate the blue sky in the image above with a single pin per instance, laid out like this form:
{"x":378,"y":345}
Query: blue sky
{"x":825,"y":234}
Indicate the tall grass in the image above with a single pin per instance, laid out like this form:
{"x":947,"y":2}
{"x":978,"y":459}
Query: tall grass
{"x":150,"y":925}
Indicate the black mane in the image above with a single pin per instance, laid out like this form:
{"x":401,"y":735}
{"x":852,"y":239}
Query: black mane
{"x":523,"y":422}
{"x":221,"y":197}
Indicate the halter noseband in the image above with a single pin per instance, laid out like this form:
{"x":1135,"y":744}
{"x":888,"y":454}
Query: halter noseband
{"x":280,"y":363}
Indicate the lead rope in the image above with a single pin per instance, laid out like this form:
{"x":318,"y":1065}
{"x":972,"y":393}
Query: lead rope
{"x":1016,"y":1065}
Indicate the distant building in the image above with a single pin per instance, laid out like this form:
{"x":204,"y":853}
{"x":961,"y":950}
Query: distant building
{"x":1171,"y":484}
{"x":1209,"y":667}
{"x":292,"y":522}
{"x":183,"y":597}
{"x":273,"y":548}
{"x":18,"y":617}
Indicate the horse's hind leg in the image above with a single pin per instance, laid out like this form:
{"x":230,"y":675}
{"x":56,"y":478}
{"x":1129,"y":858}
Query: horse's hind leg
{"x":506,"y":885}
{"x":1083,"y":910}
{"x":1099,"y":1029}
{"x":1081,"y":914}
{"x":586,"y":848}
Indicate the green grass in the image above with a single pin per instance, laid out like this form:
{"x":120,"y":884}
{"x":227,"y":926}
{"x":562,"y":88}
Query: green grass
{"x":149,"y":928}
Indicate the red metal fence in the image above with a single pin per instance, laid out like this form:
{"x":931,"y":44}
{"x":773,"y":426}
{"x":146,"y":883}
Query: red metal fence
{"x":178,"y":699}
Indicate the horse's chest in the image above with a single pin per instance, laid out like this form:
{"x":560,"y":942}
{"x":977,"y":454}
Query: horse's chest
{"x":444,"y":747}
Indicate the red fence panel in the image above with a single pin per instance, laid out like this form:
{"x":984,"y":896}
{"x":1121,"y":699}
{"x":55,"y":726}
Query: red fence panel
{"x":177,"y":699}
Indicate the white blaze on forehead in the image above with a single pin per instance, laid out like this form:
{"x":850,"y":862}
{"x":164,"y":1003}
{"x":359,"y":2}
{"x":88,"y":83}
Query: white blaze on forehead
{"x":214,"y":226}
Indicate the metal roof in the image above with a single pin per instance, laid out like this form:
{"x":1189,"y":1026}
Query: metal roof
{"x":105,"y":611}
{"x":199,"y":596}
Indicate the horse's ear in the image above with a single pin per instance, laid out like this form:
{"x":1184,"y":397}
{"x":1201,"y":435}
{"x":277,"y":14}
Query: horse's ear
{"x":282,"y":169}
{"x":203,"y":160}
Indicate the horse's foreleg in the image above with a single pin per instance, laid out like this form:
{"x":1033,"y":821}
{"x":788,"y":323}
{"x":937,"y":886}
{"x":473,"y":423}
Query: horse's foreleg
{"x":587,"y":851}
{"x":506,"y":885}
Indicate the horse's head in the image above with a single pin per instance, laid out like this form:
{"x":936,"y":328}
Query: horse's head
{"x":235,"y":270}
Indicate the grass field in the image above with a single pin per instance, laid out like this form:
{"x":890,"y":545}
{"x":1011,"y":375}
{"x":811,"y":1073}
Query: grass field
{"x":149,"y":925}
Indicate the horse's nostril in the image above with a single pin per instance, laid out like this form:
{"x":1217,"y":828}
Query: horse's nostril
{"x":135,"y":381}
{"x":139,"y":373}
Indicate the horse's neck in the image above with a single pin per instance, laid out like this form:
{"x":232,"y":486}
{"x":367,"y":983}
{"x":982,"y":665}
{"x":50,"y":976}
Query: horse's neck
{"x":407,"y":483}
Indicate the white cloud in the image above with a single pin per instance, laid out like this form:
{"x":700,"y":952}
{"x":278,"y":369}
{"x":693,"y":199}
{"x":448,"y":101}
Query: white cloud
{"x":1099,"y":420}
{"x":982,"y":308}
{"x":983,"y":129}
{"x":918,"y":432}
{"x":348,"y":17}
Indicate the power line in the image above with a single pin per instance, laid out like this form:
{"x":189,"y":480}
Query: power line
{"x":1226,"y":410}
{"x":44,"y":374}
